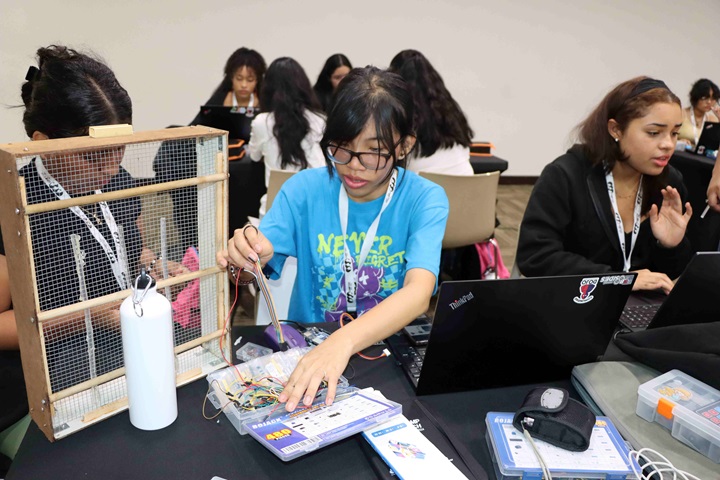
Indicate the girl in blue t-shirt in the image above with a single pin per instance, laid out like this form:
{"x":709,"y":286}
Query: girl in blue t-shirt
{"x":322,"y":217}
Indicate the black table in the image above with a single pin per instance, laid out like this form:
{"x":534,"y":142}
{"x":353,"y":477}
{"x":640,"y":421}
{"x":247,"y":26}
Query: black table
{"x":487,"y":164}
{"x":195,"y":448}
{"x":696,"y":170}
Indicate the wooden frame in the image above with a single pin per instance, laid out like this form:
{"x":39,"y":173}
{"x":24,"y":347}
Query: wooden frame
{"x":14,"y":216}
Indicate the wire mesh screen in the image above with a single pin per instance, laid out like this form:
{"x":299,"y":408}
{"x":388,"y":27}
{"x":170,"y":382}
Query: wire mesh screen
{"x":96,"y":217}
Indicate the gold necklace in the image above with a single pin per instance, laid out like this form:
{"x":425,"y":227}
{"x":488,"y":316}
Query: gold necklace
{"x":626,"y":196}
{"x":629,"y":194}
{"x":92,"y":212}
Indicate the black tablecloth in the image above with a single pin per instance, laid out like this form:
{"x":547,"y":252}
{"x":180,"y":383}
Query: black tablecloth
{"x":195,"y":448}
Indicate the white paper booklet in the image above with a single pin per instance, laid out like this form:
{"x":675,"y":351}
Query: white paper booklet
{"x":408,"y":452}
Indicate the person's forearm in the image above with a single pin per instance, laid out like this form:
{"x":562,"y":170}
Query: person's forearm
{"x":8,"y":331}
{"x":390,"y":315}
{"x":716,"y":173}
{"x":713,"y":190}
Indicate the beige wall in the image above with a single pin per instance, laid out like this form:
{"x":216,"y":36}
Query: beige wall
{"x":525,"y":72}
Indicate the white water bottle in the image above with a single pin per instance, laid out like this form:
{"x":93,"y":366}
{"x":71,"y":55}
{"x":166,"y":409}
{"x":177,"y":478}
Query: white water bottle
{"x":147,"y":335}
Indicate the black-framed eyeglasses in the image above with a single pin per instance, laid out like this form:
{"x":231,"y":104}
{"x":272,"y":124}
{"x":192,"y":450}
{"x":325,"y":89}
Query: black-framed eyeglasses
{"x":370,"y":160}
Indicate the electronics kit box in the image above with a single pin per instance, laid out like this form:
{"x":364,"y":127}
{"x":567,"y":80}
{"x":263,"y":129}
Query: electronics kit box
{"x":304,"y":430}
{"x":687,"y":407}
{"x":513,"y":456}
{"x":270,"y":371}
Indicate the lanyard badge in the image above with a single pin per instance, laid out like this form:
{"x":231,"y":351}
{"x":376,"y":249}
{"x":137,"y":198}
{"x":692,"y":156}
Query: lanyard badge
{"x":610,"y":182}
{"x":351,"y":274}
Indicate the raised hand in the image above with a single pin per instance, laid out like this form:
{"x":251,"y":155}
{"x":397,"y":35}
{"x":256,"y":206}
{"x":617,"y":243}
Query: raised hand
{"x":668,"y":223}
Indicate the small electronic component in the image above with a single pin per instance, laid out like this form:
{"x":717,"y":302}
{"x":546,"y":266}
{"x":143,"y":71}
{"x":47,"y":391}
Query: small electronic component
{"x":251,"y":350}
{"x":315,"y":335}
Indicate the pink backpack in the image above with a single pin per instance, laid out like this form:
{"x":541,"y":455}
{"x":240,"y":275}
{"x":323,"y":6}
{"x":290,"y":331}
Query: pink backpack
{"x":491,"y":262}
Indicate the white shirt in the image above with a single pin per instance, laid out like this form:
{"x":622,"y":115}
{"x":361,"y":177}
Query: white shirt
{"x":264,"y":146}
{"x":450,"y":161}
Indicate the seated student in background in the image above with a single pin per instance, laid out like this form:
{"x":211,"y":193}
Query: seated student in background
{"x":240,"y":86}
{"x":443,"y":132}
{"x":322,"y":216}
{"x":334,"y":70}
{"x":704,"y":96}
{"x":613,"y":203}
{"x":287,"y":136}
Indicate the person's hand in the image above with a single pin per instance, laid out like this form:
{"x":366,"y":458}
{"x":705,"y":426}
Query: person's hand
{"x":713,"y":191}
{"x":716,"y":110}
{"x":647,"y":280}
{"x":246,"y":246}
{"x":175,"y":269}
{"x":669,"y":223}
{"x":327,"y":361}
{"x":112,"y":314}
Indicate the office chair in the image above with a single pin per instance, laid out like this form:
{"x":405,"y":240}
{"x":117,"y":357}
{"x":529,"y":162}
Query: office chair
{"x":281,"y":288}
{"x":277,"y":178}
{"x":472,"y":201}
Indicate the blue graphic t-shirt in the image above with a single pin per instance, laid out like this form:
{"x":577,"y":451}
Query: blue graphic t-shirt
{"x":304,"y":222}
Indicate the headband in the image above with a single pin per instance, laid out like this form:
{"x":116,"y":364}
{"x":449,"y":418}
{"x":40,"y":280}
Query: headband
{"x":647,"y":84}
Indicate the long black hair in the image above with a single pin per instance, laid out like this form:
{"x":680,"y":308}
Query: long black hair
{"x":439,"y":120}
{"x":242,"y":57}
{"x":71,"y":91}
{"x":367,"y":94}
{"x":288,"y":95}
{"x":323,"y":87}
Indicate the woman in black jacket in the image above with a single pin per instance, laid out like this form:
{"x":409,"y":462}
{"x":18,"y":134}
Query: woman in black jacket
{"x":612,"y":203}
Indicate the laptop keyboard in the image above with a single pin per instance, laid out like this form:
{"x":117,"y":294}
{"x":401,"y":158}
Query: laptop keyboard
{"x":638,"y":316}
{"x":411,"y":359}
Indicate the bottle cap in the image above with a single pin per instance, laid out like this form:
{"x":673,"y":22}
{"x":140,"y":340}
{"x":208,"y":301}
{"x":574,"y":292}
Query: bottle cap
{"x":143,"y":283}
{"x":143,"y":280}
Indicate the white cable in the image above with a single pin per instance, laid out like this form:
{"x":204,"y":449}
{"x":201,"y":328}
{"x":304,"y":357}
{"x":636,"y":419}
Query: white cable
{"x":659,"y":466}
{"x":541,"y":460}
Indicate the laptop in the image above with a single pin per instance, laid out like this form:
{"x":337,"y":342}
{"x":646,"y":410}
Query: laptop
{"x":493,"y":333}
{"x":235,"y":121}
{"x":709,"y":138}
{"x":692,"y":299}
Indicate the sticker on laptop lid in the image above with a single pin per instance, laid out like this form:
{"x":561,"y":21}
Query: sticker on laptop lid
{"x":617,"y":280}
{"x":587,"y":285}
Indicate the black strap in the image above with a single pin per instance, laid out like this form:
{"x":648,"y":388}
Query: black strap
{"x":550,"y":415}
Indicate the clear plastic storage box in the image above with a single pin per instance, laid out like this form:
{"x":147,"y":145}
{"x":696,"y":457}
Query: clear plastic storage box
{"x":270,"y":372}
{"x":687,"y":407}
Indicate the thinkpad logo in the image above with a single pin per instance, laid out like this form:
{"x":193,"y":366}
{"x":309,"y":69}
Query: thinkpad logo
{"x":461,"y":301}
